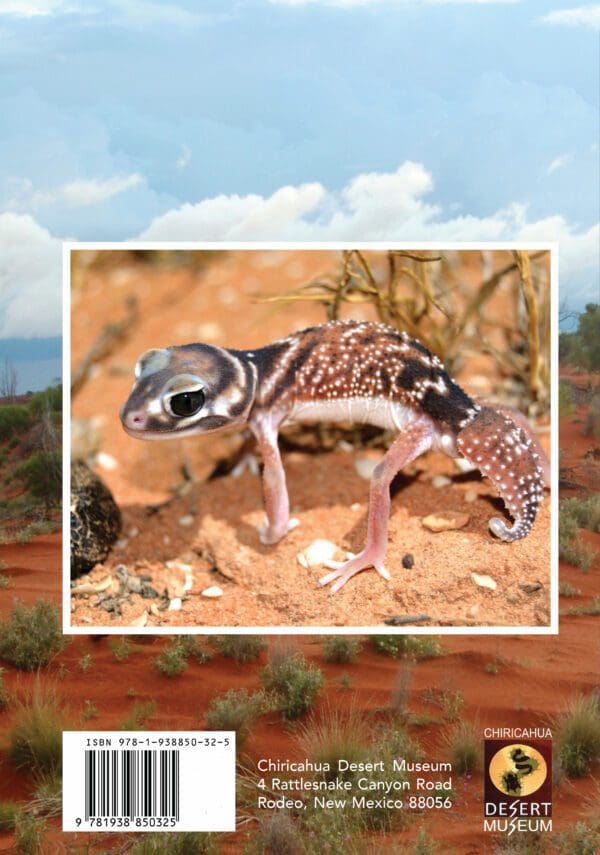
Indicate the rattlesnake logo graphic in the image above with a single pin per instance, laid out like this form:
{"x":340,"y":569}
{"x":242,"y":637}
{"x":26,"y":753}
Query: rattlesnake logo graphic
{"x":518,"y":770}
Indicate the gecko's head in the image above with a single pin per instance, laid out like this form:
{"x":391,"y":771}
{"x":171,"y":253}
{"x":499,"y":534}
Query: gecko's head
{"x":180,"y":391}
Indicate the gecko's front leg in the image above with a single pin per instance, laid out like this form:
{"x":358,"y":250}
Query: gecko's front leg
{"x":277,"y":504}
{"x":411,"y":443}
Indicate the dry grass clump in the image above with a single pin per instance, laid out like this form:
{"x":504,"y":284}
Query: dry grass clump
{"x":463,"y":744}
{"x":577,"y":735}
{"x":428,"y":295}
{"x":35,"y":738}
{"x":237,"y":710}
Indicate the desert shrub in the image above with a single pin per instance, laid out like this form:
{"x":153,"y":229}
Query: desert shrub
{"x":565,"y":589}
{"x":35,"y":738}
{"x":174,"y":658}
{"x":47,"y":797}
{"x":49,"y":399}
{"x":577,"y":735}
{"x":412,"y":646}
{"x":401,"y":687}
{"x":14,"y":419}
{"x":8,"y":811}
{"x":241,"y":648}
{"x":585,"y":512}
{"x":424,"y":845}
{"x":121,"y":648}
{"x":35,"y":528}
{"x":42,"y":474}
{"x":85,"y":663}
{"x":139,"y":715}
{"x":31,"y":636}
{"x":524,"y":843}
{"x":296,"y":682}
{"x":581,"y":839}
{"x":570,"y":547}
{"x":278,"y":833}
{"x":591,"y":425}
{"x":331,"y":831}
{"x":3,"y":692}
{"x":177,"y":843}
{"x":236,"y":710}
{"x":463,"y":745}
{"x":90,"y":710}
{"x":29,"y":833}
{"x":340,"y":650}
{"x":451,"y":702}
{"x":565,"y":400}
{"x":192,"y":649}
{"x":171,"y":662}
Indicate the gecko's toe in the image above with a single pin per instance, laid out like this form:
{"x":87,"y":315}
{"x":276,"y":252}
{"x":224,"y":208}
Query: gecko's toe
{"x":343,"y":571}
{"x":269,"y":535}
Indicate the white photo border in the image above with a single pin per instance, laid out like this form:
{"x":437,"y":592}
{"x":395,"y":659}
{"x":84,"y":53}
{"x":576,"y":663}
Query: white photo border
{"x":263,"y":246}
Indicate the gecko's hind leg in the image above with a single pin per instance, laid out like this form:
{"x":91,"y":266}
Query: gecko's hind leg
{"x":411,"y":443}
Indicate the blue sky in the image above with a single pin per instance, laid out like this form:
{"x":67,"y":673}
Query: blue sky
{"x":283,"y":119}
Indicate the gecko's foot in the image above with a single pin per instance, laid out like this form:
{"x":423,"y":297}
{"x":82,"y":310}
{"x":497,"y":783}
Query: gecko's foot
{"x":345,"y":570}
{"x":269,"y":534}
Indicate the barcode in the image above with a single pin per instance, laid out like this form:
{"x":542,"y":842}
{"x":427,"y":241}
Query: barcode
{"x":148,"y":780}
{"x":131,"y":783}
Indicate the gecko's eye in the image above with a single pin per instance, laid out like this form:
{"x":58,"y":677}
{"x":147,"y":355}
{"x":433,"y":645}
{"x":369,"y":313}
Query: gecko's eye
{"x":187,"y":403}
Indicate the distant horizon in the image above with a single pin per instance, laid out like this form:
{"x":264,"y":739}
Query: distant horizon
{"x":37,"y":361}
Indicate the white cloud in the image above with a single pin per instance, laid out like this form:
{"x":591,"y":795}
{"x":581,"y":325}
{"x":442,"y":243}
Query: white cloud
{"x":352,"y":4}
{"x":74,"y":194}
{"x":30,"y":279}
{"x":373,"y":206}
{"x":92,"y":191}
{"x":184,"y":158}
{"x":579,"y":16}
{"x":29,"y":8}
{"x":559,"y":162}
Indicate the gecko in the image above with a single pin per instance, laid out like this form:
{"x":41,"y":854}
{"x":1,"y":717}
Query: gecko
{"x":350,"y":371}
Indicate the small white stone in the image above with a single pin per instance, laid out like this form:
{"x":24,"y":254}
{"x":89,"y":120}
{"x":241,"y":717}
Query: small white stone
{"x":89,"y":588}
{"x":166,"y":539}
{"x":133,"y":531}
{"x":179,"y":565}
{"x":213,"y":592}
{"x":365,"y":466}
{"x":484,"y":581}
{"x":470,"y":496}
{"x":142,"y":620}
{"x":186,"y":520}
{"x":317,"y":553}
{"x":189,"y":582}
{"x":106,"y":461}
{"x":439,"y":481}
{"x":464,"y":465}
{"x":249,"y":462}
{"x":175,"y":605}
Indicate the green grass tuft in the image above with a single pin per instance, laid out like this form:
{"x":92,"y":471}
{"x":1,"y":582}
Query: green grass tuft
{"x":295,"y":681}
{"x":31,"y":636}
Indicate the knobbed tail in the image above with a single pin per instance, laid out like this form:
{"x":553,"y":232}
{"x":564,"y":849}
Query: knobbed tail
{"x":504,"y":451}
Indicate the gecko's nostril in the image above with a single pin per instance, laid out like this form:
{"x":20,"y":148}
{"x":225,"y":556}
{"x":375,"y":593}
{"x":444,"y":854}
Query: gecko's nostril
{"x":135,"y":420}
